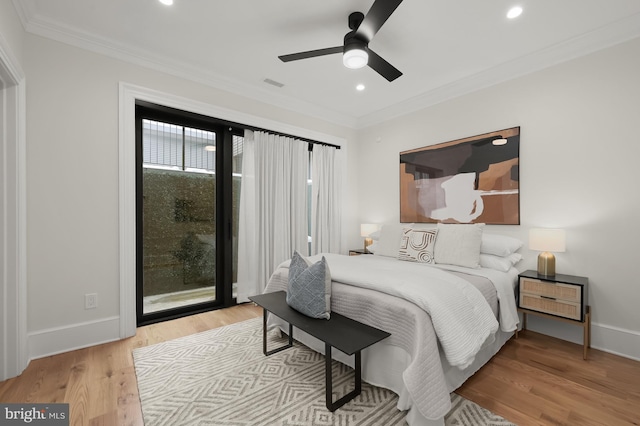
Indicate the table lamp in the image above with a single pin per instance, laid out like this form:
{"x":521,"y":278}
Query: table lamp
{"x":367,"y":229}
{"x":547,"y":241}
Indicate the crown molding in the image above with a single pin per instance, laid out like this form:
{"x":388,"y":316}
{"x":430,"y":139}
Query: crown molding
{"x":606,"y":36}
{"x":25,"y":10}
{"x":601,"y":38}
{"x":63,"y":33}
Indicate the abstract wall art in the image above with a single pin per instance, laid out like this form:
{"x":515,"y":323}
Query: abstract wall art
{"x":469,"y":180}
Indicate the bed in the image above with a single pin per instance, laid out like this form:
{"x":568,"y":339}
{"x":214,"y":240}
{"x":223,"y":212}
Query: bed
{"x":446,"y":321}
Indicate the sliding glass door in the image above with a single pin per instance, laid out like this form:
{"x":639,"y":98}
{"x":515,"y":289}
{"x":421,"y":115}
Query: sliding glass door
{"x":187,"y":213}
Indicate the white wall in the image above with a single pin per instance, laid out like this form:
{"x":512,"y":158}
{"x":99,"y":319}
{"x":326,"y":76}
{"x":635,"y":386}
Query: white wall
{"x":579,"y":144}
{"x":13,"y":319}
{"x":72,"y":153}
{"x":580,"y":148}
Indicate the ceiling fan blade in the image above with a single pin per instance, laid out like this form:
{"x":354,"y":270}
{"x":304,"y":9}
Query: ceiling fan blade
{"x":376,"y":17}
{"x":311,"y":54}
{"x":383,"y":67}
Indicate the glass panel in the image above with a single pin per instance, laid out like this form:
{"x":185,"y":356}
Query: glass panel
{"x":162,"y":144}
{"x":236,"y":166}
{"x":179,"y":211}
{"x":199,"y":150}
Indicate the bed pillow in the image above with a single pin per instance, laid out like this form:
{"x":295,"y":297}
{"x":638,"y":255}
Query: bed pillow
{"x":499,"y":263}
{"x":458,"y":244}
{"x":499,"y":245}
{"x":373,"y":247}
{"x":389,"y":241}
{"x":309,"y":288}
{"x":416,"y":245}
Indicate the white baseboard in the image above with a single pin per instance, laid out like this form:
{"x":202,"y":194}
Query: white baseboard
{"x":618,"y":341}
{"x":77,"y":336}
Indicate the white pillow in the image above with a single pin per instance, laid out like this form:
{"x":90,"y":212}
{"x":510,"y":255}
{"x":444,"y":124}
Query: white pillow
{"x":373,"y":247}
{"x":499,"y":245}
{"x":499,"y":263}
{"x":459,"y":244}
{"x":416,"y":245}
{"x":389,"y":242}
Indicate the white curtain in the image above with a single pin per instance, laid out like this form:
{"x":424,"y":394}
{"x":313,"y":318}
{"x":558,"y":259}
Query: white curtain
{"x":273,"y":218}
{"x":326,"y":200}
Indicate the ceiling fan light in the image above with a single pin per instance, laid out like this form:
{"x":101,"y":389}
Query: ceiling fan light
{"x":514,"y":12}
{"x":355,"y":58}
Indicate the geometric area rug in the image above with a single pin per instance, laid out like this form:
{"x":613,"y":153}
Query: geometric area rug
{"x":220,"y":377}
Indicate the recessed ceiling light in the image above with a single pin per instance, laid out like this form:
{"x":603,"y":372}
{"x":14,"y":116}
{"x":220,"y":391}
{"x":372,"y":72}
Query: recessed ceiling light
{"x":210,"y":148}
{"x":360,"y":87}
{"x":166,"y":2}
{"x":514,"y":12}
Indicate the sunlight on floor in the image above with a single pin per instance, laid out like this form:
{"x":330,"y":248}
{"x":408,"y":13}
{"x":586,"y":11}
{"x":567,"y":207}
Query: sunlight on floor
{"x":161,"y":302}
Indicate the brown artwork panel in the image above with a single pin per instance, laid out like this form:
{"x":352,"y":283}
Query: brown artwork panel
{"x":470,"y":180}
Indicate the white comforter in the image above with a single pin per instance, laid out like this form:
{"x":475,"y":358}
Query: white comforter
{"x":410,"y":325}
{"x":461,"y":317}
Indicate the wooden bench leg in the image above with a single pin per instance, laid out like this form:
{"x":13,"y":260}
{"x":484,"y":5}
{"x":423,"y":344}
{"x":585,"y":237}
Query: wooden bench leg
{"x":333,"y":406}
{"x":264,"y":337}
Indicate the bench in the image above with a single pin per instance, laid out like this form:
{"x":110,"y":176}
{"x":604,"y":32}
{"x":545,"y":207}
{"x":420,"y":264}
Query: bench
{"x":340,"y":332}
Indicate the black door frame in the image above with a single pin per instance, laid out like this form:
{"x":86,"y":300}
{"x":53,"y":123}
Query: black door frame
{"x":224,"y":202}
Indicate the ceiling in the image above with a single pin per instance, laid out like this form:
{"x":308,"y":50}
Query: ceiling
{"x":444,"y":48}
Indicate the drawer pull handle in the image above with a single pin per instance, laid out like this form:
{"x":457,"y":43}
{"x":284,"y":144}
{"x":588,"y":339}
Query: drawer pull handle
{"x":547,"y":297}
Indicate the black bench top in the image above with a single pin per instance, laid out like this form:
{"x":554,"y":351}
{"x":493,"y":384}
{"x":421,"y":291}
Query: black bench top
{"x":340,"y":332}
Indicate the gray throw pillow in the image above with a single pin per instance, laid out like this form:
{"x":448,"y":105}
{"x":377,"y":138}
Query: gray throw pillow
{"x":309,"y":290}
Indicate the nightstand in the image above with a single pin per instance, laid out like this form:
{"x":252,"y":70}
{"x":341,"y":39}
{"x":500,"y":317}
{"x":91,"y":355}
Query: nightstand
{"x":558,"y":297}
{"x":358,"y":252}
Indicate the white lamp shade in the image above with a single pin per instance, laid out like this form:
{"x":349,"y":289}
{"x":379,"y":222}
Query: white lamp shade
{"x":552,"y":240}
{"x":355,"y":58}
{"x":367,"y":229}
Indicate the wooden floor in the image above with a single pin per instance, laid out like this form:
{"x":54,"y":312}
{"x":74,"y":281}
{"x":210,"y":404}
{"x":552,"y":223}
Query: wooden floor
{"x":534,"y":380}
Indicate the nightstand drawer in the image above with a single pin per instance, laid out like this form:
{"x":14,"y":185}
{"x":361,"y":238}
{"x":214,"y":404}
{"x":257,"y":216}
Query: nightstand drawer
{"x":551,"y":306}
{"x":565,"y":292}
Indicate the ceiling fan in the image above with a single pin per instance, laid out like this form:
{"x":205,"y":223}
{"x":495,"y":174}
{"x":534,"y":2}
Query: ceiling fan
{"x":355,"y":51}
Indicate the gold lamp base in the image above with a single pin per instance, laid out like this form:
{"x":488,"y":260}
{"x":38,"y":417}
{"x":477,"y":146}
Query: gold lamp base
{"x":367,"y":243}
{"x":546,"y":264}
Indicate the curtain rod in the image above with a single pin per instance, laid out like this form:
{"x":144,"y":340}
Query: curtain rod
{"x":311,"y":141}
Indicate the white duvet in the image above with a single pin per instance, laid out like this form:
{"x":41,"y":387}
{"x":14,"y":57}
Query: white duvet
{"x":361,"y":285}
{"x":462,"y":319}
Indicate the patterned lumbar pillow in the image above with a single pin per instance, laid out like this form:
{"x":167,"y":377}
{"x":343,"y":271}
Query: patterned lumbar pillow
{"x":309,"y":290}
{"x":417,"y":245}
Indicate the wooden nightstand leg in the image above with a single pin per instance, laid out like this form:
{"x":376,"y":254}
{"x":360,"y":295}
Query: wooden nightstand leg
{"x":589,"y":314}
{"x":587,"y":332}
{"x":524,"y":324}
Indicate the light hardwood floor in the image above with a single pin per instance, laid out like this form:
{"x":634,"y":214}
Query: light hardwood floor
{"x":534,"y":380}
